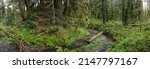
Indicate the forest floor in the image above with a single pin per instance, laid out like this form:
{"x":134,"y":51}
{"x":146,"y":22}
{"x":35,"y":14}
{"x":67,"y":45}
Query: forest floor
{"x":7,"y":48}
{"x":106,"y":44}
{"x":101,"y":46}
{"x":116,"y":38}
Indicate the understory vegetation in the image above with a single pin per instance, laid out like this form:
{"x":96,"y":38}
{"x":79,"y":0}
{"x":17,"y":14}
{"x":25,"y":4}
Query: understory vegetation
{"x":131,"y":38}
{"x":64,"y":25}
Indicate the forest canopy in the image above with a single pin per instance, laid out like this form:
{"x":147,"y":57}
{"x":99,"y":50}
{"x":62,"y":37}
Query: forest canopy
{"x":75,"y":25}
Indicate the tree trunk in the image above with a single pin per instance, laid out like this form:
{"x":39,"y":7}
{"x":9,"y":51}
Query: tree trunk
{"x":22,"y":10}
{"x":123,"y":11}
{"x":112,"y":10}
{"x":67,"y":8}
{"x":42,"y":3}
{"x":105,"y":11}
{"x":59,"y":7}
{"x":126,"y":14}
{"x":3,"y":8}
{"x":139,"y":10}
{"x":27,"y":3}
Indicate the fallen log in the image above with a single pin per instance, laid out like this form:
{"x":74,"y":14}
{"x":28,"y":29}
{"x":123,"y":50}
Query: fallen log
{"x":94,"y":37}
{"x":22,"y":47}
{"x":87,"y":40}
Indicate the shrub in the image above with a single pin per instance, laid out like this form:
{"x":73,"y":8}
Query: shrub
{"x":138,"y":42}
{"x":92,"y":47}
{"x":127,"y":38}
{"x":62,"y":40}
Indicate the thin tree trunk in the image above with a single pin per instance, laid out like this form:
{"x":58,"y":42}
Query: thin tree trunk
{"x":53,"y":9}
{"x":123,"y":11}
{"x":112,"y":12}
{"x":105,"y":11}
{"x":22,"y":10}
{"x":27,"y":3}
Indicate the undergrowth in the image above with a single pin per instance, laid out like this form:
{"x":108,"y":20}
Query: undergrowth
{"x":94,"y":46}
{"x":60,"y":39}
{"x":130,"y":38}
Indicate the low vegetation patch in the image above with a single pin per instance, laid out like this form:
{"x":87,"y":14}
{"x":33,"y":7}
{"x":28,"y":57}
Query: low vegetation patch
{"x":127,"y":38}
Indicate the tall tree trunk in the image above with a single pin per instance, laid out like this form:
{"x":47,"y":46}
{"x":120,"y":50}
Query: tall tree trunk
{"x":3,"y":8}
{"x":67,"y":8}
{"x":123,"y":11}
{"x":105,"y":11}
{"x":22,"y":10}
{"x":59,"y":7}
{"x":148,"y":1}
{"x":126,"y":13}
{"x":139,"y":8}
{"x":53,"y":10}
{"x":42,"y":3}
{"x":132,"y":11}
{"x":112,"y":10}
{"x":129,"y":14}
{"x":27,"y":3}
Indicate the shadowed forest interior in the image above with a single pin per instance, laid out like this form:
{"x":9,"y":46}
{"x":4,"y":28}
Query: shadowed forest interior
{"x":75,"y":25}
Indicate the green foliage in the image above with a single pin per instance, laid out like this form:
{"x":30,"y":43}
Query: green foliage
{"x":8,"y":17}
{"x":7,"y":40}
{"x":147,"y":27}
{"x":84,"y":13}
{"x":133,"y":11}
{"x":95,"y":23}
{"x":30,"y":21}
{"x":95,"y":6}
{"x":6,"y":35}
{"x":61,"y":40}
{"x":92,"y":47}
{"x":29,"y":24}
{"x":138,"y":42}
{"x":58,"y":26}
{"x":127,"y":38}
{"x":80,"y":10}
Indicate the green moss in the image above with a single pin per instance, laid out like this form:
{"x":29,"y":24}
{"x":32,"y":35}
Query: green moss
{"x":92,"y":47}
{"x":127,"y":38}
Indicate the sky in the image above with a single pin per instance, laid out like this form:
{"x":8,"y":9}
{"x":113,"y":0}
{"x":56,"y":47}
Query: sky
{"x":145,"y":4}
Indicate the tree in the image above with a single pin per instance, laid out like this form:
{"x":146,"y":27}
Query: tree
{"x":22,"y":10}
{"x":148,"y":3}
{"x":131,"y":11}
{"x":59,"y":7}
{"x":67,"y":8}
{"x":112,"y":9}
{"x":2,"y":7}
{"x":138,"y":10}
{"x":105,"y":11}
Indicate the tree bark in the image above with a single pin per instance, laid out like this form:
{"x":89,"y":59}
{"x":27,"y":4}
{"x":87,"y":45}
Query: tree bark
{"x":22,"y":10}
{"x":59,"y":7}
{"x":27,"y":3}
{"x":123,"y":11}
{"x":105,"y":11}
{"x":67,"y":8}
